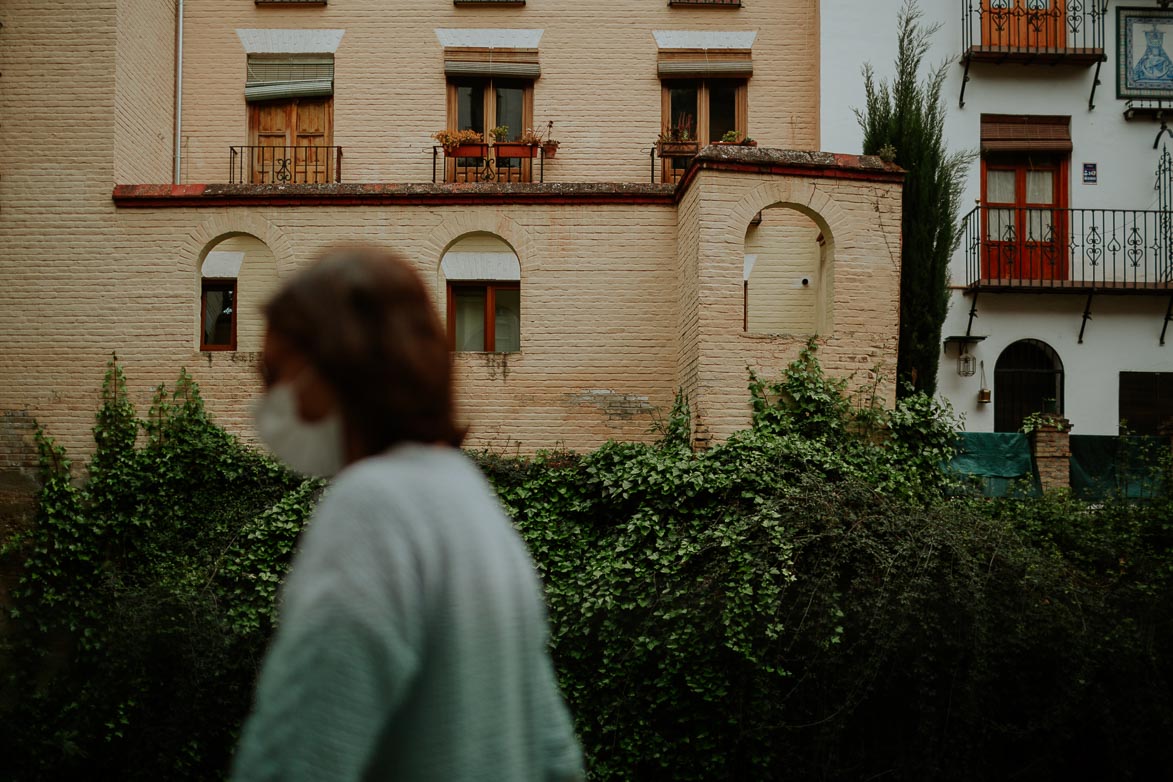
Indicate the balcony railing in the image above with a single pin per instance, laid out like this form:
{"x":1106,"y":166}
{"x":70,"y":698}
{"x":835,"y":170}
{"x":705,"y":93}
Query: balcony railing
{"x":489,"y":163}
{"x":674,"y":157}
{"x":1028,"y":30}
{"x":285,"y":165}
{"x":1109,"y":250}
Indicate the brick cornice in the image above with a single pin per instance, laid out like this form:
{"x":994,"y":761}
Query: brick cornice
{"x":174,"y":196}
{"x":789,"y":162}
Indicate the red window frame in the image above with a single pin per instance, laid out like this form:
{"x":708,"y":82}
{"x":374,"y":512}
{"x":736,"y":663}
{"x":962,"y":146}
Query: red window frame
{"x":217,"y":284}
{"x":1024,"y":255}
{"x":490,"y":324}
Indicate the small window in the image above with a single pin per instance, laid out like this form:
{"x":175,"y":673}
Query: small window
{"x":699,"y":112}
{"x":1146,"y":402}
{"x":218,"y":314}
{"x":484,"y":317}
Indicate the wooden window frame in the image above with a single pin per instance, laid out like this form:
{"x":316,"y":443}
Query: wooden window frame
{"x":669,"y":170}
{"x":741,"y":108}
{"x":490,"y":287}
{"x":490,"y":114}
{"x":1059,"y":163}
{"x":217,"y":283}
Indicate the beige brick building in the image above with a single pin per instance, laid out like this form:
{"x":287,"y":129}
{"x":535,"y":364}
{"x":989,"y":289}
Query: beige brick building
{"x":149,"y":215}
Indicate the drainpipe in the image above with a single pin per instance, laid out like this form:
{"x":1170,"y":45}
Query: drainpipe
{"x":178,"y":88}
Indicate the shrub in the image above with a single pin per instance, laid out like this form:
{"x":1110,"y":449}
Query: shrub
{"x":146,"y":596}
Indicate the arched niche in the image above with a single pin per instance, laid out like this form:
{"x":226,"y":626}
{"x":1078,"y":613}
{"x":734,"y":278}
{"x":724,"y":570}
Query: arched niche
{"x":787,"y":282}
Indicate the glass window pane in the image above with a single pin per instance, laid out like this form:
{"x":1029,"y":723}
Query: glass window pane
{"x":682,"y":102}
{"x":999,"y":186}
{"x":218,"y":316}
{"x":470,"y":107}
{"x":509,"y":111}
{"x":1001,"y":227}
{"x":1040,"y":187}
{"x":507,"y":320}
{"x":1038,"y":225}
{"x":469,"y":304}
{"x":722,"y":109}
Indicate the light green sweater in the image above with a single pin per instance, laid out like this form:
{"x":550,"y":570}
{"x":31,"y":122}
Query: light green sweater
{"x":411,"y":641}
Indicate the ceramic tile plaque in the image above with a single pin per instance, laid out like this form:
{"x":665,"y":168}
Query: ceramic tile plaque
{"x":1144,"y":39}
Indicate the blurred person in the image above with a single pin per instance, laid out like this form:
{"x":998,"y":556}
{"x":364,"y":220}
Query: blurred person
{"x":411,"y":639}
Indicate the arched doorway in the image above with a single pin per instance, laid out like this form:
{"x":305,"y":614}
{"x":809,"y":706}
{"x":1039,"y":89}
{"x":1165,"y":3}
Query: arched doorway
{"x":1028,"y":378}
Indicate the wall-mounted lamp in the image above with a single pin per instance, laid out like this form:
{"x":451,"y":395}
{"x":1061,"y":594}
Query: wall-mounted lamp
{"x":966,"y":361}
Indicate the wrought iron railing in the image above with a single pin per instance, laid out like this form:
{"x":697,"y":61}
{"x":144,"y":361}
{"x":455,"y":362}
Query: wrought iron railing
{"x":673,"y":157}
{"x":1038,"y":26}
{"x":1078,"y":249}
{"x":489,"y":163}
{"x":256,"y":165}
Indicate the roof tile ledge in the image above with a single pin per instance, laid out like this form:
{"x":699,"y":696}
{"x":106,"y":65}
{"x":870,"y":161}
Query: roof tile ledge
{"x":736,"y":157}
{"x":359,"y":194}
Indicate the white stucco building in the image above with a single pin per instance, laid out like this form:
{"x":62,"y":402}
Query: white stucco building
{"x":1067,"y":262}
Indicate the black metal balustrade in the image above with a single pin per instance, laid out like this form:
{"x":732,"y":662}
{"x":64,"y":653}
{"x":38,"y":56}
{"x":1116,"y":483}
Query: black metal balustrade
{"x":1078,"y":250}
{"x":486,"y":163}
{"x":1042,"y":29}
{"x":255,"y":165}
{"x":674,"y":157}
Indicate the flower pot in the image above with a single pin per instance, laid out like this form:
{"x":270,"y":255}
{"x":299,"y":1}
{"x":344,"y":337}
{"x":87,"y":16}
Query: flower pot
{"x":467,"y":150}
{"x":513,"y":149}
{"x":676,"y":148}
{"x":984,"y":396}
{"x":735,"y":143}
{"x":550,"y":150}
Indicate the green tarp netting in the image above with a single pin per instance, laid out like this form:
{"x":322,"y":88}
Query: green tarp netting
{"x":1110,"y":466}
{"x":999,"y":462}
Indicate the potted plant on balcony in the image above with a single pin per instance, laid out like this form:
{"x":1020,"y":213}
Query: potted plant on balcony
{"x":734,"y":139}
{"x":511,"y":149}
{"x":542,"y":139}
{"x":678,"y":140}
{"x":461,"y":143}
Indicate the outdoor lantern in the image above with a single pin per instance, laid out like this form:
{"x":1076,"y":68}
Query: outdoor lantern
{"x":966,"y":363}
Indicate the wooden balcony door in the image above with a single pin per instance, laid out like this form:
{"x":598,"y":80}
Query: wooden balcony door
{"x":1024,"y":24}
{"x":291,"y":140}
{"x":1025,"y":220}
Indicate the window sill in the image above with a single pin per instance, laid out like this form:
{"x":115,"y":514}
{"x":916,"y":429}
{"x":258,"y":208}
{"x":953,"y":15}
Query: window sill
{"x":289,"y":2}
{"x":704,"y":3}
{"x":508,"y":3}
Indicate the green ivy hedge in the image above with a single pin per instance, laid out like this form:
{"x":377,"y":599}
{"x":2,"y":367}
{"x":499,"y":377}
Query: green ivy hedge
{"x":808,"y":600}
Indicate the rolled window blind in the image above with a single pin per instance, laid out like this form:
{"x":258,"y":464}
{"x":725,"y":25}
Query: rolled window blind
{"x":288,"y":76}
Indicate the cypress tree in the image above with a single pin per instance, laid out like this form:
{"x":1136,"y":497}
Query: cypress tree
{"x":903,"y":122}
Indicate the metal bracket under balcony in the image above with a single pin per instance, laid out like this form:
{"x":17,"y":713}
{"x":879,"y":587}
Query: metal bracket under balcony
{"x":1073,"y":251}
{"x":1030,"y":32}
{"x":300,"y":165}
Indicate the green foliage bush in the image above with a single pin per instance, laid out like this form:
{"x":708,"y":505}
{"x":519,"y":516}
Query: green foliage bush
{"x":146,"y":596}
{"x":808,"y":600}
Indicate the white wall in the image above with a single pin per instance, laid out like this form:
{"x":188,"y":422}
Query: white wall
{"x":1123,"y":334}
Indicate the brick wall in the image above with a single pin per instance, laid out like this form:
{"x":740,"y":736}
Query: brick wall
{"x":622,"y":301}
{"x":860,"y":221}
{"x":599,"y":82}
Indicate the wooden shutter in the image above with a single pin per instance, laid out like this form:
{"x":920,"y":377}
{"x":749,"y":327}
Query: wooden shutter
{"x":1009,"y":133}
{"x":705,"y":63}
{"x":492,"y":63}
{"x":274,"y":77}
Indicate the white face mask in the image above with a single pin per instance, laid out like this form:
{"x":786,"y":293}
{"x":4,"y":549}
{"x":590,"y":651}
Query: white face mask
{"x":311,"y":449}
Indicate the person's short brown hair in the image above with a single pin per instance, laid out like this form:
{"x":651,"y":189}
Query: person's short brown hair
{"x":363,"y":318}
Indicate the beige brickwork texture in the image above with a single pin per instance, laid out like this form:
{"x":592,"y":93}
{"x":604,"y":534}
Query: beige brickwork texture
{"x":860,"y":222}
{"x":621,"y":303}
{"x":598,"y":82}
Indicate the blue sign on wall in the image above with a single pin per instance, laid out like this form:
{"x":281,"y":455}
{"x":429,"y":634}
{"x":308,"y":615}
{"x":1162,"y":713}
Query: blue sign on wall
{"x":1144,"y":68}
